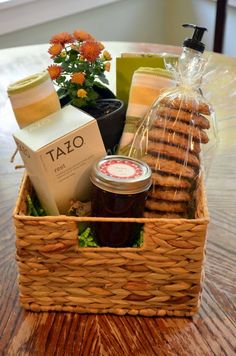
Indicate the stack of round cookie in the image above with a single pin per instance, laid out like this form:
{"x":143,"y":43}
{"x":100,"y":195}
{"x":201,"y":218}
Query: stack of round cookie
{"x":174,"y":145}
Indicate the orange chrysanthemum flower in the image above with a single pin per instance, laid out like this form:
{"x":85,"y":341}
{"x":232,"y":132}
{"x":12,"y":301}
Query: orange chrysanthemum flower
{"x":107,"y":66}
{"x":62,"y":38}
{"x":55,"y":49}
{"x":90,"y":50}
{"x":106,"y":55}
{"x":78,"y":78}
{"x":54,"y":71}
{"x":81,"y":35}
{"x":81,"y":93}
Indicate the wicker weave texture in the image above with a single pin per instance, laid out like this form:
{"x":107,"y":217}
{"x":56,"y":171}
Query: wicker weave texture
{"x":163,"y":277}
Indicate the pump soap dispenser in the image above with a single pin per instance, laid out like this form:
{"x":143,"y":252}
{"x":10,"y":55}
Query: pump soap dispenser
{"x":173,"y":133}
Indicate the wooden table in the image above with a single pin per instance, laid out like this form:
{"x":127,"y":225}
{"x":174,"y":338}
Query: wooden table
{"x":212,"y":331}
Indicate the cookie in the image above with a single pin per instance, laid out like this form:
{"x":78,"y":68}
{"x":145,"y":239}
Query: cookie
{"x":170,"y":181}
{"x":186,"y":104}
{"x":169,"y":194}
{"x":166,"y":206}
{"x":159,"y":148}
{"x":158,"y":164}
{"x":157,"y":134}
{"x":188,"y":130}
{"x":186,"y":116}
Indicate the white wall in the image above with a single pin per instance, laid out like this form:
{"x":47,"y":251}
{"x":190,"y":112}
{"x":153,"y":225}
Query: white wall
{"x":230,"y":31}
{"x":157,"y":21}
{"x":201,"y":12}
{"x":126,"y":20}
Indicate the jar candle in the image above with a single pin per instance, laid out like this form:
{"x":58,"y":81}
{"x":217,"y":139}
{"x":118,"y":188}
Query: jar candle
{"x":33,"y":98}
{"x":119,"y":189}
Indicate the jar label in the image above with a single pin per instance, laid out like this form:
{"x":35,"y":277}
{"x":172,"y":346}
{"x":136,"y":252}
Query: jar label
{"x":123,"y":169}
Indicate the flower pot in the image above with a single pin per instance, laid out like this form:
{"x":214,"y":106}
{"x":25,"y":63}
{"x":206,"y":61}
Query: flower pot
{"x":110,"y":115}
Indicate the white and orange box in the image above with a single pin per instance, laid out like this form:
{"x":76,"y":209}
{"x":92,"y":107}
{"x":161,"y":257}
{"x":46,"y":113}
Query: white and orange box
{"x":58,"y":152}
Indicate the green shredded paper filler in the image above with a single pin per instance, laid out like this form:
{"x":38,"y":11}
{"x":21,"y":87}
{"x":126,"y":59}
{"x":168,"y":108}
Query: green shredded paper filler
{"x":85,"y":235}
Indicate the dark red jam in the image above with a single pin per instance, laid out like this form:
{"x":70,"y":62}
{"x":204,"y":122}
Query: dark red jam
{"x":120,"y":186}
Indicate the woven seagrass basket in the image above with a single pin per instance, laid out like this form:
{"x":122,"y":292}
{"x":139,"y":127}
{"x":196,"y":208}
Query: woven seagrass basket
{"x":163,"y":277}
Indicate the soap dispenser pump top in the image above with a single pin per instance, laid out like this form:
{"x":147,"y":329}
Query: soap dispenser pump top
{"x":195,"y":42}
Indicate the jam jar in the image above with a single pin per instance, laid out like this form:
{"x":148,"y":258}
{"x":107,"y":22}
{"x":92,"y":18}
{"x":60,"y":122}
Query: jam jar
{"x":119,"y":189}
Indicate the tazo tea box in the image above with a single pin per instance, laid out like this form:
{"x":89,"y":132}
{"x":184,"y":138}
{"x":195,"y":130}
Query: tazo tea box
{"x":58,"y":152}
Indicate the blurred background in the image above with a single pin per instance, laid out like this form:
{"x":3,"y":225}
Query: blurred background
{"x":25,"y":22}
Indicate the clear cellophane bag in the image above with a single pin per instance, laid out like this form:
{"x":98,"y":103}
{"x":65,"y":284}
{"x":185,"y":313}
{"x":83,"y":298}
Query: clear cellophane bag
{"x":177,"y":138}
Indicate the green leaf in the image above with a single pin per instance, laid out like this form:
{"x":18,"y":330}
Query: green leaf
{"x":65,"y":66}
{"x":92,"y":94}
{"x":61,"y":92}
{"x":60,"y":80}
{"x":73,"y":56}
{"x":58,"y":59}
{"x":88,"y":83}
{"x":79,"y":102}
